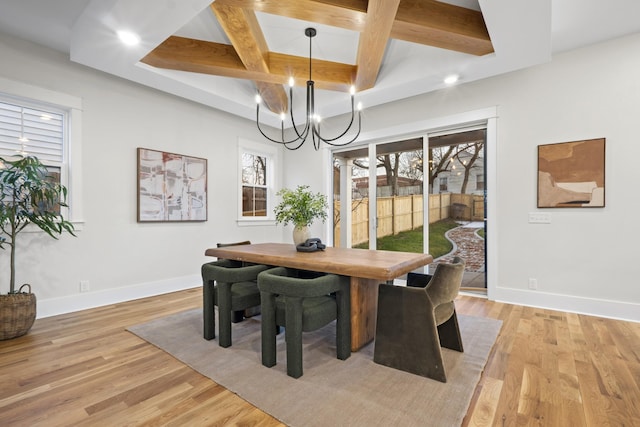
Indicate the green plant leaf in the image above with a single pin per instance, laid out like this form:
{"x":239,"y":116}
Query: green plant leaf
{"x":300,"y":206}
{"x":29,"y":196}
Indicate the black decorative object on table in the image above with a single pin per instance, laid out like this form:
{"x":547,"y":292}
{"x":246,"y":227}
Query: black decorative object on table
{"x":311,"y":245}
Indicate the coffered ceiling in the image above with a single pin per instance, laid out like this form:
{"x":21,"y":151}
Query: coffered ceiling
{"x":247,"y":56}
{"x":222,"y":53}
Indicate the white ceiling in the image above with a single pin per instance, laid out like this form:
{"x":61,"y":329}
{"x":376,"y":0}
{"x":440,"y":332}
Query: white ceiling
{"x":523,"y":32}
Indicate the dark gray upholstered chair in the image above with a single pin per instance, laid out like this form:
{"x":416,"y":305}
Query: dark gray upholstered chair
{"x":302,"y":302}
{"x":414,"y":321}
{"x":232,"y":286}
{"x":239,"y":315}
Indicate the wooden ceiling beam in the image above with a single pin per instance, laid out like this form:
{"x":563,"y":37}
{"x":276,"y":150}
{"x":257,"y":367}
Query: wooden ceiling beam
{"x":197,"y":56}
{"x":373,"y":41}
{"x":427,"y":22}
{"x":347,"y":14}
{"x":245,"y":34}
{"x":327,"y":75}
{"x":442,"y":25}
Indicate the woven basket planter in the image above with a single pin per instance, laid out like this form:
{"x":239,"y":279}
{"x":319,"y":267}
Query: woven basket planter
{"x":17,"y":313}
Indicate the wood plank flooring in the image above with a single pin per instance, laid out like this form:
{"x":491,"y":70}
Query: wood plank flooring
{"x":548,"y":368}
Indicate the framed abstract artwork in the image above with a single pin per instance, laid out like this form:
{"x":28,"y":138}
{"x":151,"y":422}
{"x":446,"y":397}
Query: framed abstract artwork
{"x":571,"y":174}
{"x":171,"y":187}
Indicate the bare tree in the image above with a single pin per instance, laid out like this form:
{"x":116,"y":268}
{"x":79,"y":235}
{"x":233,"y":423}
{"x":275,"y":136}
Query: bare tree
{"x":411,"y":166}
{"x":254,"y":169}
{"x":467,"y":156}
{"x":391,"y":165}
{"x":440,"y":159}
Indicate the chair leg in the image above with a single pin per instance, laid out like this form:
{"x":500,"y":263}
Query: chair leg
{"x":269,"y":328}
{"x":434,"y":365}
{"x":293,"y":336}
{"x":449,"y":333}
{"x":208,"y":313}
{"x":250,"y":312}
{"x":343,"y":325}
{"x":237,"y":316}
{"x":224,"y":314}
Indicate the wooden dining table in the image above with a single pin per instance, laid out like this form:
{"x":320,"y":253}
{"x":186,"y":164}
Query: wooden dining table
{"x":366,"y":269}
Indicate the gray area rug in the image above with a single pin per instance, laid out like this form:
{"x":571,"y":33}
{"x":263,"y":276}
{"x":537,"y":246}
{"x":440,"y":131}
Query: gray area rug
{"x":331,"y":392}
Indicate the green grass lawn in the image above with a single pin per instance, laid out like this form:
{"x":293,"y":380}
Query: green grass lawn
{"x":411,"y":241}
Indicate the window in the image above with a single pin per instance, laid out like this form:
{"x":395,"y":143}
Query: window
{"x":444,"y":184}
{"x":254,"y":185}
{"x":33,"y":131}
{"x":480,"y":182}
{"x":36,"y":131}
{"x":257,"y":180}
{"x":43,"y":123}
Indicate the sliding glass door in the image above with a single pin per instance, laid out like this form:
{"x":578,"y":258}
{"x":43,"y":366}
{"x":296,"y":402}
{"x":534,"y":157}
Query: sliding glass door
{"x":388,"y":195}
{"x":378,"y":197}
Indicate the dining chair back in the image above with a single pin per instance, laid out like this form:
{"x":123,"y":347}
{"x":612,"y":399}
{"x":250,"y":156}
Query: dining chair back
{"x":414,"y":321}
{"x":232,"y":286}
{"x":302,"y":302}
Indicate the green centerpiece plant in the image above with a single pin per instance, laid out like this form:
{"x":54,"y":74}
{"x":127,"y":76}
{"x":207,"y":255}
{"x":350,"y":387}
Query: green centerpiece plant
{"x":301,"y":207}
{"x":28,"y":195}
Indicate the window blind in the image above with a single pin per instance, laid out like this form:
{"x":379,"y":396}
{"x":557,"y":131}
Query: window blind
{"x":33,"y":131}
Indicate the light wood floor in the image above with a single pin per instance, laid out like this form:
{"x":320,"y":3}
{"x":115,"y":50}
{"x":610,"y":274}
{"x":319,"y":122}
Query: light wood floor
{"x":547,"y":368}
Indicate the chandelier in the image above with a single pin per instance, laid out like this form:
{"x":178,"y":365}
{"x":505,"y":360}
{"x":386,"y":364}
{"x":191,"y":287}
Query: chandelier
{"x":299,"y":134}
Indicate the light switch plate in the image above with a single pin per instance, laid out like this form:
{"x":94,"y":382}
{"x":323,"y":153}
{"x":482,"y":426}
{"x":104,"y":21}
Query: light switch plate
{"x":539,"y":218}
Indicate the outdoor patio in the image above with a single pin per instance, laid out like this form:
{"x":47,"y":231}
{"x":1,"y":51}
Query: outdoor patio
{"x":468,"y":245}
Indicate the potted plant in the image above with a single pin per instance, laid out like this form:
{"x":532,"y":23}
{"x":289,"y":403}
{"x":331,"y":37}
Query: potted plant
{"x":300,"y":207}
{"x":28,"y":195}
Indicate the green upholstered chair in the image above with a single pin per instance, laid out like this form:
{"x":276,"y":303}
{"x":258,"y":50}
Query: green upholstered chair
{"x":414,"y":321}
{"x":302,"y":302}
{"x":232,"y":286}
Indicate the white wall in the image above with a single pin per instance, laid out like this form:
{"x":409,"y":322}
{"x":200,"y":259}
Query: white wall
{"x":305,"y":167}
{"x":585,"y":260}
{"x":121,"y":258}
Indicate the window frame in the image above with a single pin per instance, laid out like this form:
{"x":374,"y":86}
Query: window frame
{"x":255,"y":187}
{"x":19,"y":93}
{"x":271,"y":154}
{"x":443,"y":181}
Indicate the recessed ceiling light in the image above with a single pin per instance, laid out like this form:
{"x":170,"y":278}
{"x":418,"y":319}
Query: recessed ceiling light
{"x":453,"y":78}
{"x":128,"y":38}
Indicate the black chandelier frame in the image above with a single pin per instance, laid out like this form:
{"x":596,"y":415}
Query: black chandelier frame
{"x":312,"y":122}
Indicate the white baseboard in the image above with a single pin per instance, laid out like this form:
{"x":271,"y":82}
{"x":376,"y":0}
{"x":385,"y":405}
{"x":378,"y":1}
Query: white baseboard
{"x":83,"y":301}
{"x":572,"y":304}
{"x":590,"y":306}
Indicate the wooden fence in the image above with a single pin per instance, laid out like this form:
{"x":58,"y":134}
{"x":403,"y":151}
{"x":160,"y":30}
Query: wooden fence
{"x":403,"y":213}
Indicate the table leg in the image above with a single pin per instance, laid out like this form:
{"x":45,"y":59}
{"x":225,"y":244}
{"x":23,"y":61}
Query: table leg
{"x":364,"y":304}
